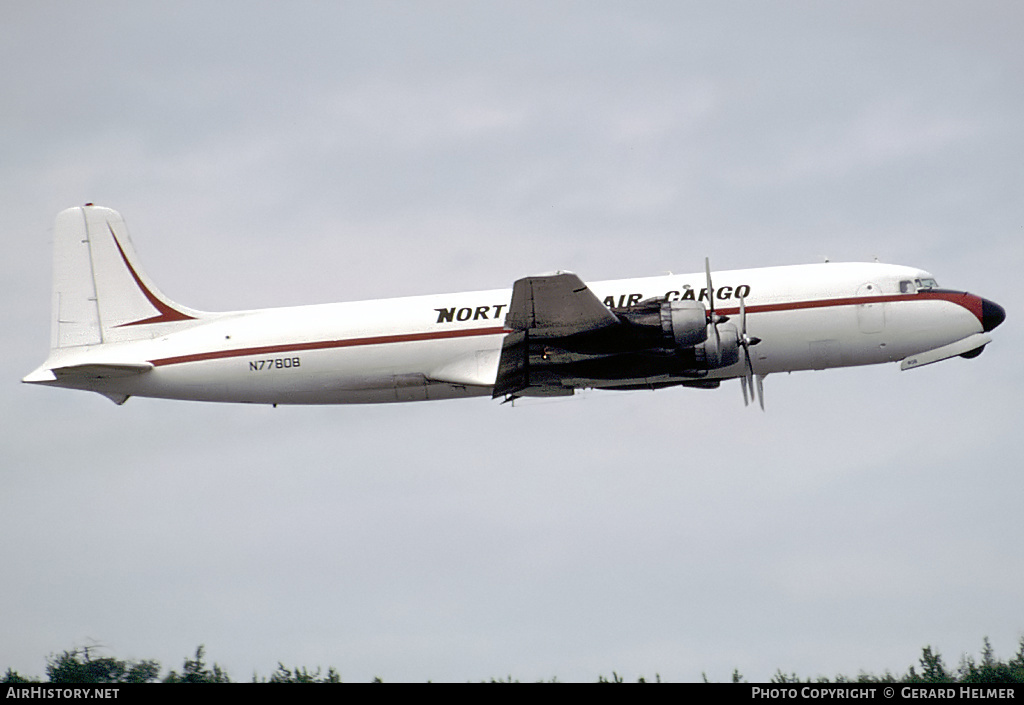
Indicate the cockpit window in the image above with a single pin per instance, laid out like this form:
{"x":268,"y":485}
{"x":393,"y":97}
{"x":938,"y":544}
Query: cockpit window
{"x":910,"y":287}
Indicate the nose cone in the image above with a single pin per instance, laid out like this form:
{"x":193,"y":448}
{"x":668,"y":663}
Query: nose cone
{"x":992,"y":314}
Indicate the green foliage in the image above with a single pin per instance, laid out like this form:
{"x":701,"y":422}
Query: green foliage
{"x":782,"y":678}
{"x":79,"y":666}
{"x":932,"y":669}
{"x":82,"y":666}
{"x":616,"y":678}
{"x":15,"y":677}
{"x":195,"y":671}
{"x":302,"y":675}
{"x":990,"y":670}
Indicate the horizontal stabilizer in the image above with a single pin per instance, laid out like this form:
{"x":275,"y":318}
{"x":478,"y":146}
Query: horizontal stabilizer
{"x":960,"y":347}
{"x":102,"y":370}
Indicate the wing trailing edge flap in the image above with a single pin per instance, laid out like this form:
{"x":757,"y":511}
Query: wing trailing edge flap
{"x":545,"y":308}
{"x":512,"y":376}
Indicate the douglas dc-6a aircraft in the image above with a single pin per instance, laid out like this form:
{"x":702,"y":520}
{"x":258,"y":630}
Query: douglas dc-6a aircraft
{"x":115,"y":333}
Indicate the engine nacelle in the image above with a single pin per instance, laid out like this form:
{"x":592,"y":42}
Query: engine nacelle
{"x":684,"y":323}
{"x":726,"y":352}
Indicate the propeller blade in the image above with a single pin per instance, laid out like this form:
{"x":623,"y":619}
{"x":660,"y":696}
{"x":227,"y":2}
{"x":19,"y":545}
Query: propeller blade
{"x":748,"y":372}
{"x":711,"y":295}
{"x":745,"y":340}
{"x":743,"y":318}
{"x":712,"y":318}
{"x":748,"y":366}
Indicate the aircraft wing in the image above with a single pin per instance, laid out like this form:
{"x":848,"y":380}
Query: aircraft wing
{"x":544,"y":309}
{"x":556,"y":305}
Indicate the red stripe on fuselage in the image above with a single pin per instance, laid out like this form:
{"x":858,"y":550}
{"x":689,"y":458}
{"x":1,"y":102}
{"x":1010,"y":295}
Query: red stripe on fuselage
{"x":327,"y":345}
{"x":968,"y":301}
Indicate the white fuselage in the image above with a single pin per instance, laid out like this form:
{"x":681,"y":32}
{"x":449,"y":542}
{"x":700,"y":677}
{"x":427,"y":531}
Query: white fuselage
{"x":445,"y":346}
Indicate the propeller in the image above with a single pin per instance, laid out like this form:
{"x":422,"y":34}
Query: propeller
{"x":747,"y":381}
{"x":712,"y":318}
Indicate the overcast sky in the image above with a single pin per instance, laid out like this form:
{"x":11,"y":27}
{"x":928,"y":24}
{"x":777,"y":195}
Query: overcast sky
{"x":271,"y":154}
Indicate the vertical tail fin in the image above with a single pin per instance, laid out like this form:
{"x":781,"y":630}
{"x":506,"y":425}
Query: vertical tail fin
{"x":100,"y":294}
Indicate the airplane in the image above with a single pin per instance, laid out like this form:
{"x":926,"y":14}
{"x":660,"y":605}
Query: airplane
{"x":115,"y":333}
